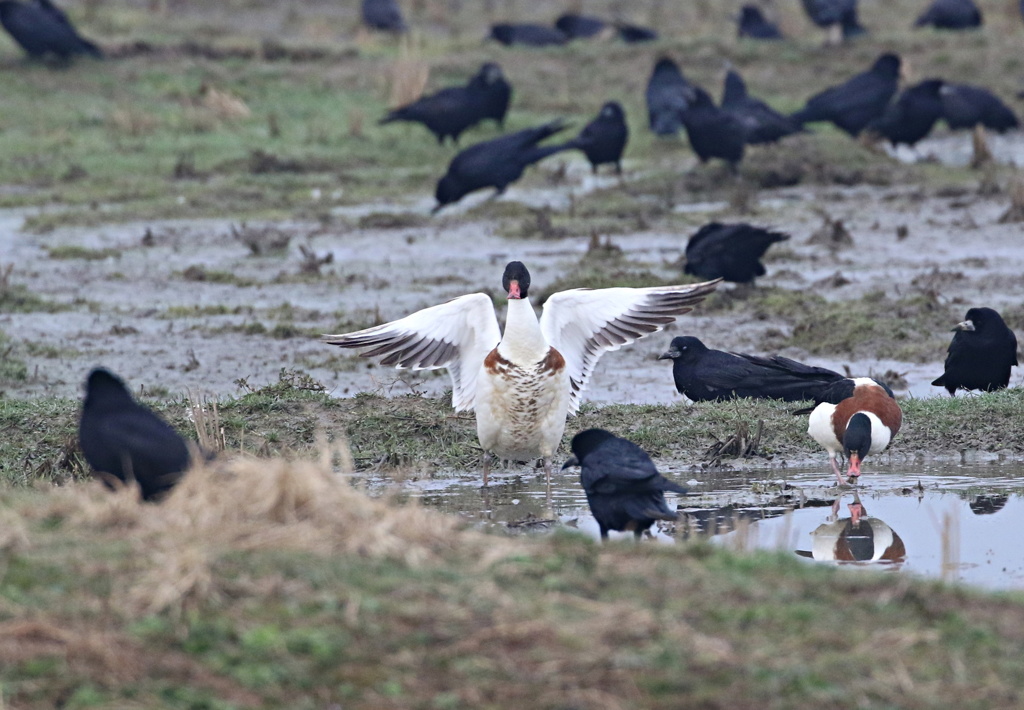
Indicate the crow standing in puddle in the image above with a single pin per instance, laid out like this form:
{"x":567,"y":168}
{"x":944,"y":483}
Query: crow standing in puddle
{"x":624,"y":489}
{"x":981,"y":354}
{"x":124,"y":439}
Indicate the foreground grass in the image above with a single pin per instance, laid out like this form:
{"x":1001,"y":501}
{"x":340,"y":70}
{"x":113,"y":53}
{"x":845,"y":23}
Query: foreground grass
{"x":272,"y":584}
{"x":424,"y":435}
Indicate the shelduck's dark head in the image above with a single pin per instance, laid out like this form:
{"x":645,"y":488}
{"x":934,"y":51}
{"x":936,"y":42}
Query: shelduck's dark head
{"x":857,"y":441}
{"x":516,"y":280}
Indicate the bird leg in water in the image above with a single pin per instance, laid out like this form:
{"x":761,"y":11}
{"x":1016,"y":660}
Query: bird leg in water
{"x":486,"y":466}
{"x":547,"y":481}
{"x":835,"y":470}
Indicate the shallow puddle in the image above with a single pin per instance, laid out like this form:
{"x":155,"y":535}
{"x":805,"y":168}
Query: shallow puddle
{"x":957,"y":522}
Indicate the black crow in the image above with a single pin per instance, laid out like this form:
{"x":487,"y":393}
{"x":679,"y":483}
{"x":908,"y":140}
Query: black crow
{"x":965,"y":106}
{"x":706,"y":375}
{"x":580,"y":26}
{"x":603,"y":139}
{"x":624,"y":489}
{"x":951,"y":15}
{"x":452,"y":110}
{"x":911,"y":117}
{"x":383,"y":15}
{"x":122,"y":438}
{"x":527,"y":34}
{"x":497,"y":92}
{"x":496,"y":163}
{"x":713,"y":133}
{"x":761,"y":123}
{"x":633,"y":34}
{"x":855,"y":103}
{"x":729,"y":251}
{"x":667,"y":98}
{"x":752,"y":23}
{"x":981,"y":354}
{"x":42,"y":29}
{"x":829,"y":14}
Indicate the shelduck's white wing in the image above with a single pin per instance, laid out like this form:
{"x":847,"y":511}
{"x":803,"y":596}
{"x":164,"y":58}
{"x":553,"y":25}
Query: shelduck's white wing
{"x":583,"y":324}
{"x":456,"y":335}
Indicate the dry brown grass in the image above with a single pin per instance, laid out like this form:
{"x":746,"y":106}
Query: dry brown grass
{"x":132,"y":122}
{"x":1015,"y":213}
{"x":407,"y":78}
{"x":246,"y":504}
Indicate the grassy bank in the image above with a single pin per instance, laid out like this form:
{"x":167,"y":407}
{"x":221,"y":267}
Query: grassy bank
{"x":423,"y":434}
{"x":272,"y":584}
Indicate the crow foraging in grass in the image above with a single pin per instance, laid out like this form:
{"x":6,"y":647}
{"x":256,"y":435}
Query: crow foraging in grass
{"x":455,"y":109}
{"x":624,"y":489}
{"x":713,"y":133}
{"x":911,"y":117}
{"x":603,"y":139}
{"x":855,"y":103}
{"x":122,"y":438}
{"x":383,"y":15}
{"x":752,"y":23}
{"x":706,"y":375}
{"x":981,"y":354}
{"x":965,"y":106}
{"x":761,"y":123}
{"x":527,"y":34}
{"x":667,"y":98}
{"x":42,"y":29}
{"x":729,"y":251}
{"x":951,"y":15}
{"x":496,"y":163}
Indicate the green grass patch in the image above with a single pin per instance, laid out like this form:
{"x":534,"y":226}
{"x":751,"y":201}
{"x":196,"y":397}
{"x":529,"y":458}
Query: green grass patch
{"x":74,"y":251}
{"x":423,"y":434}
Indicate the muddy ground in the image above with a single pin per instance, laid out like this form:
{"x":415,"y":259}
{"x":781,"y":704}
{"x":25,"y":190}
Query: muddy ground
{"x":195,"y":211}
{"x":185,"y":305}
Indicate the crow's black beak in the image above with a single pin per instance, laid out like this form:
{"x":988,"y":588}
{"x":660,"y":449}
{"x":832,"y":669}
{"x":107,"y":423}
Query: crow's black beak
{"x":670,"y":354}
{"x":573,"y":461}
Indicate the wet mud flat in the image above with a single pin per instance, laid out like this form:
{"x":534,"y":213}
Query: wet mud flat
{"x":190,"y":305}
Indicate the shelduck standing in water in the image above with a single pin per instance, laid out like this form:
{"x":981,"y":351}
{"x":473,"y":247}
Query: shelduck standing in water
{"x":523,"y":383}
{"x":856,"y":417}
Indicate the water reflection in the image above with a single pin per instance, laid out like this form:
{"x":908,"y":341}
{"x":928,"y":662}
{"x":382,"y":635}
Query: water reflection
{"x":856,"y":538}
{"x":960,"y":522}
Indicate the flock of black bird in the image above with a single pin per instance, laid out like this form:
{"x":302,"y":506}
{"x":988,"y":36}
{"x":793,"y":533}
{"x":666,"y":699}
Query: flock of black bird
{"x":123,"y":440}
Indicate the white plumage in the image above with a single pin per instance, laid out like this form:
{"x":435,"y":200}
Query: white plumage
{"x":523,"y":384}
